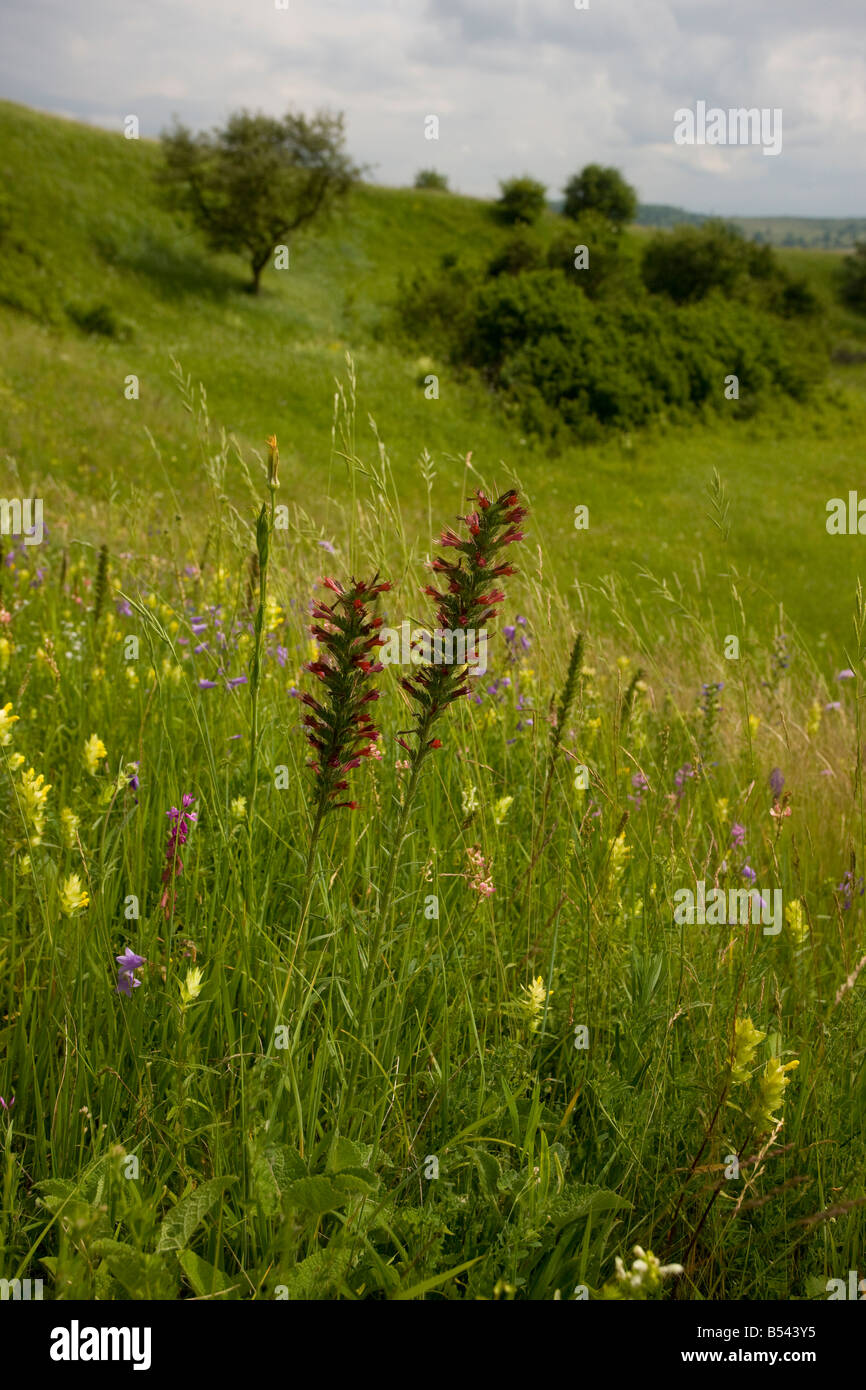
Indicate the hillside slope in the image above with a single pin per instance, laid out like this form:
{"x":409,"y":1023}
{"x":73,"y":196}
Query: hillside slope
{"x":84,"y":243}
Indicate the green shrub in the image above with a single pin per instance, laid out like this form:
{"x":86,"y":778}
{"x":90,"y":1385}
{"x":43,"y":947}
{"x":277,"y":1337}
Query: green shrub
{"x":431,"y":178}
{"x":852,"y":279}
{"x":583,"y":351}
{"x":602,"y":191}
{"x":689,"y":262}
{"x":520,"y":252}
{"x":521,"y":200}
{"x":609,"y":265}
{"x":97,"y":319}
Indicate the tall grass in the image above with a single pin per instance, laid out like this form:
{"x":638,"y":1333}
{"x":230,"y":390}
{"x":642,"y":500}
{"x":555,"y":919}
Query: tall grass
{"x":404,"y":1106}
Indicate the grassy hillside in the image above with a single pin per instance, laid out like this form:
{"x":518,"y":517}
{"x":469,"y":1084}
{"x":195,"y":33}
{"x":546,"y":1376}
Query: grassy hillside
{"x":295,"y":1004}
{"x":84,"y":237}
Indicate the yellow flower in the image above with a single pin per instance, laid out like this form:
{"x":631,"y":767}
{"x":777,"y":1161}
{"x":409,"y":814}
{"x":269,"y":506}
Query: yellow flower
{"x":813,"y":723}
{"x":131,"y":676}
{"x":619,"y":857}
{"x":500,"y":810}
{"x":746,"y":1040}
{"x":754,"y":724}
{"x":24,"y":865}
{"x":536,"y":997}
{"x":772,"y":1093}
{"x":239,"y":807}
{"x":7,"y":719}
{"x":94,"y":749}
{"x":6,"y":650}
{"x":34,"y":794}
{"x":722,"y":807}
{"x":623,"y":662}
{"x":191,"y":987}
{"x":72,"y":896}
{"x":15,"y":761}
{"x":797,"y":924}
{"x":69,"y":824}
{"x":469,"y":800}
{"x":274,"y":615}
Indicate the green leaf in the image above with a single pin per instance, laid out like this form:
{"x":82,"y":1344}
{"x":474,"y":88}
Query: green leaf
{"x":345,"y":1153}
{"x":205,"y":1278}
{"x":178,"y":1226}
{"x":318,"y":1276}
{"x":418,"y":1289}
{"x":488,"y":1167}
{"x":581,"y":1199}
{"x":315,"y":1195}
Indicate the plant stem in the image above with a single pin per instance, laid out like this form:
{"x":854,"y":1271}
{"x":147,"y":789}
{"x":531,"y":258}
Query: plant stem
{"x":386,"y":900}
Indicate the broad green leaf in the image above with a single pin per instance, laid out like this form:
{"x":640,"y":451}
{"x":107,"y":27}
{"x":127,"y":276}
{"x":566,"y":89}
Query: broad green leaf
{"x":178,"y":1226}
{"x":205,"y":1278}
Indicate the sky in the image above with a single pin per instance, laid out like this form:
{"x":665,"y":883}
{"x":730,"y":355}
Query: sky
{"x":517,"y":86}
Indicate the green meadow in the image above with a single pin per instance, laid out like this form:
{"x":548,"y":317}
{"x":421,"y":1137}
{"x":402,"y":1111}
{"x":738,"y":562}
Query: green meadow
{"x":453,"y":1041}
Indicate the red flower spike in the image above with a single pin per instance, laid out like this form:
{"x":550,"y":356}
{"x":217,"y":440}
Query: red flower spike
{"x":345,"y":630}
{"x":470,"y":599}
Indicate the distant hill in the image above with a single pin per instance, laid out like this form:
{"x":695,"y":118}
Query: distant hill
{"x":821,"y":233}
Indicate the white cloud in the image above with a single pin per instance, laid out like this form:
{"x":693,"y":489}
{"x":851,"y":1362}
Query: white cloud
{"x":519,"y":85}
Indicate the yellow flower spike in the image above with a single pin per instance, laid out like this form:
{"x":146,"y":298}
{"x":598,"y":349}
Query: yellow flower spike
{"x":69,"y":824}
{"x":772,"y":1093}
{"x":7,"y":719}
{"x":191,"y":987}
{"x":797,"y":924}
{"x":754,"y":724}
{"x":536,"y":996}
{"x":94,"y":751}
{"x":747,"y":1038}
{"x":73,"y":898}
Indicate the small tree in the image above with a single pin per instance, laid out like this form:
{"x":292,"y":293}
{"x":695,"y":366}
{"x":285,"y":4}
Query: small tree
{"x":521,"y":200}
{"x":605,"y":191}
{"x":253,"y":183}
{"x":431,"y":178}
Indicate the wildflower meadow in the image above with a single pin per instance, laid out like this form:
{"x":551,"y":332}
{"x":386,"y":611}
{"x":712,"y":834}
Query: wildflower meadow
{"x":332,"y":977}
{"x":432,"y":660}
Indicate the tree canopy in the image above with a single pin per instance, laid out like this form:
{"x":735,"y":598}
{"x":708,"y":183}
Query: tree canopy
{"x":251,"y":184}
{"x":596,"y":189}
